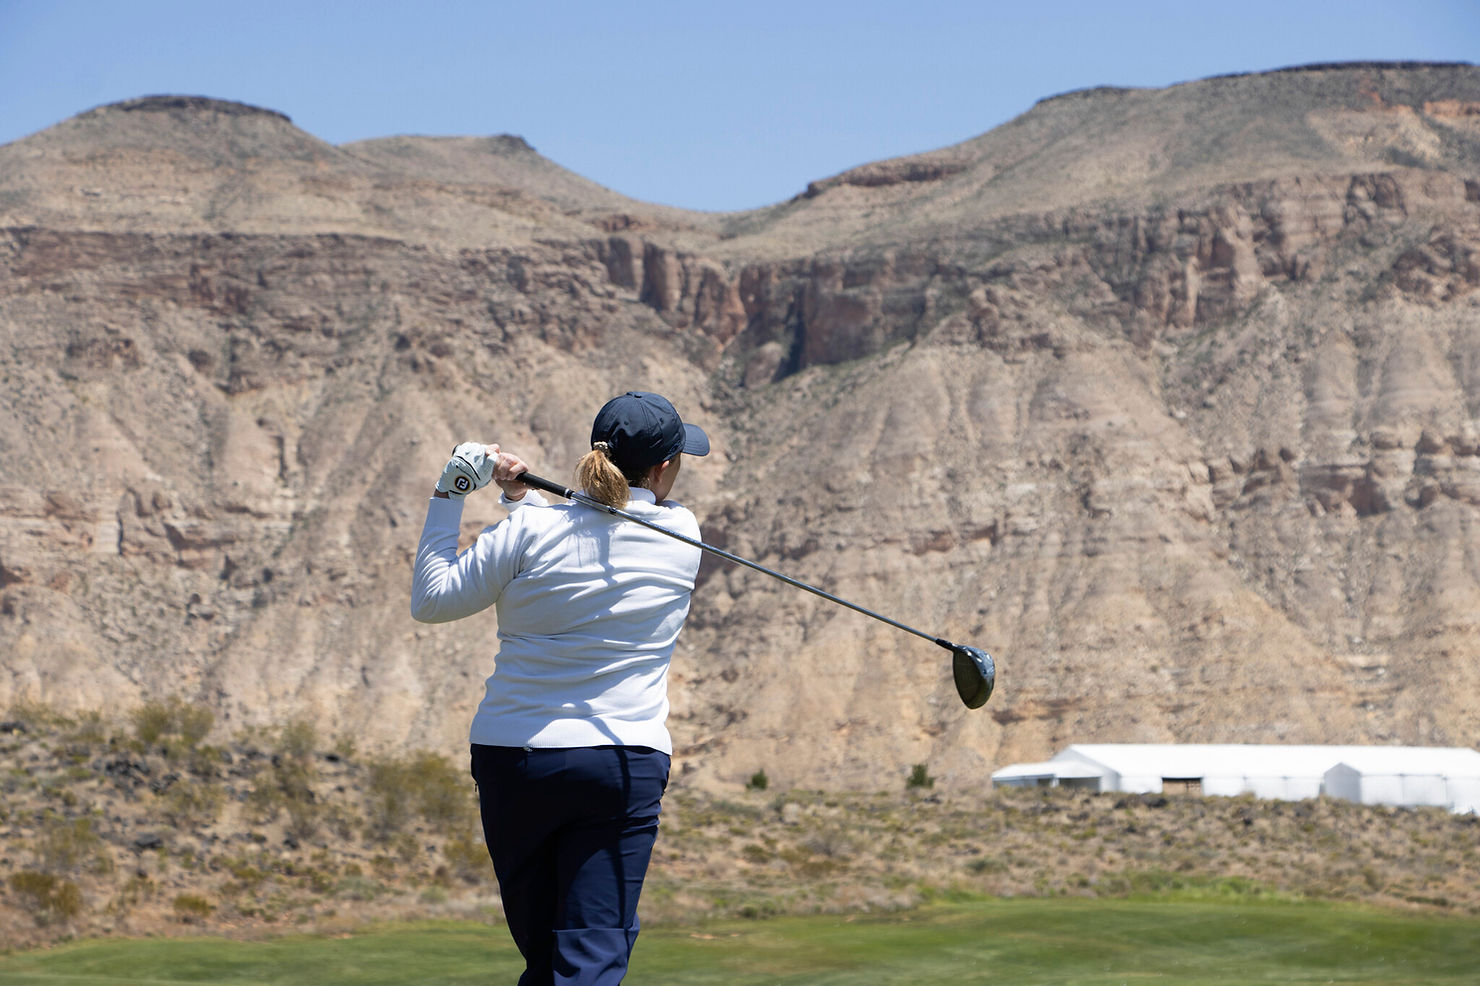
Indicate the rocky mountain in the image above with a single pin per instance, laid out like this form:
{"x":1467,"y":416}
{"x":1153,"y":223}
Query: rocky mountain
{"x":1168,"y":398}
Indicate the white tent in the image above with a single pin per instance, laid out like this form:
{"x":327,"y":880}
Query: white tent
{"x":1448,"y":778}
{"x":1051,"y":774}
{"x":1406,"y":775}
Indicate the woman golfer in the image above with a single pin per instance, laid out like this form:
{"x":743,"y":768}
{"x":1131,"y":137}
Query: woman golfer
{"x":569,"y":747}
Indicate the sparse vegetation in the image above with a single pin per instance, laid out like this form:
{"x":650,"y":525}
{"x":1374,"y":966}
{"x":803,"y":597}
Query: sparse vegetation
{"x":66,"y":845}
{"x":187,"y":806}
{"x":47,"y":896}
{"x":297,"y":740}
{"x":116,"y":838}
{"x":424,"y":786}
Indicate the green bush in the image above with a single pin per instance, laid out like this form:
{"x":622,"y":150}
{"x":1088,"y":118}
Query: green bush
{"x":49,"y":896}
{"x":758,"y":781}
{"x":919,"y":777}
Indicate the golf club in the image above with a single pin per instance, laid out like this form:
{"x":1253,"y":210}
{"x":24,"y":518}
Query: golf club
{"x":973,"y":669}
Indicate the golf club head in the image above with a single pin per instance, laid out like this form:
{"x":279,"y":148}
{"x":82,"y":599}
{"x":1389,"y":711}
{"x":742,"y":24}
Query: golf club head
{"x":975,"y":673}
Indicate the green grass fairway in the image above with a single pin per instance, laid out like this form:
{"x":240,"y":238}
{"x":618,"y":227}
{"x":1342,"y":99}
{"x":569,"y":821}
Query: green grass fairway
{"x":1023,"y":942}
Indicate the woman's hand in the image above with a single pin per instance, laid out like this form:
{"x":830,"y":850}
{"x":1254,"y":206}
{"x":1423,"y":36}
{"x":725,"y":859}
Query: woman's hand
{"x":506,"y":468}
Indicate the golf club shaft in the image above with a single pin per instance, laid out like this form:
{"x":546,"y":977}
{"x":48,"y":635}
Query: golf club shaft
{"x":548,"y":486}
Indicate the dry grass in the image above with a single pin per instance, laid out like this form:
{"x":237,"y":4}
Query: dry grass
{"x":269,"y":833}
{"x":810,"y":851}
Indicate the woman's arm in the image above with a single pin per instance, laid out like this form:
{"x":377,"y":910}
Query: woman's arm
{"x":446,"y":586}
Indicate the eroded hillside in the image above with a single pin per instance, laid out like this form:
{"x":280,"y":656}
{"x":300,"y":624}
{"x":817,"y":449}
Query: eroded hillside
{"x":1167,"y":398}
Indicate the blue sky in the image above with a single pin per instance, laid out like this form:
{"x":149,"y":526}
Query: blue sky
{"x":701,"y":105}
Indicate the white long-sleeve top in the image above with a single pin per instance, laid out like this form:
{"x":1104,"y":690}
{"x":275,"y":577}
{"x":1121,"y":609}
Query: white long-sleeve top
{"x":589,"y":608}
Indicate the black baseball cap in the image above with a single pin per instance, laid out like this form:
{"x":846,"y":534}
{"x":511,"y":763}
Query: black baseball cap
{"x":643,"y":430}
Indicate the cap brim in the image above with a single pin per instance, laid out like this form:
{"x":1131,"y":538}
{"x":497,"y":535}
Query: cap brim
{"x":695,"y":442}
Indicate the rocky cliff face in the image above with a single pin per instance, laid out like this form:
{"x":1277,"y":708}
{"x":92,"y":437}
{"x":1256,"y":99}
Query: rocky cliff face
{"x":1167,"y":398}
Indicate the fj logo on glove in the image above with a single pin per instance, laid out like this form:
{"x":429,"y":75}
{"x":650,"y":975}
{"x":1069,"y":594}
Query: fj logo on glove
{"x":470,"y":468}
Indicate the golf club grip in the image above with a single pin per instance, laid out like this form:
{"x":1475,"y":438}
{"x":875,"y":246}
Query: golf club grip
{"x":540,"y":483}
{"x":549,"y":486}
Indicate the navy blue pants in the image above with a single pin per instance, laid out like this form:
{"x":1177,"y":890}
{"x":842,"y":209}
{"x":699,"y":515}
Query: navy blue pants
{"x":570,"y":832}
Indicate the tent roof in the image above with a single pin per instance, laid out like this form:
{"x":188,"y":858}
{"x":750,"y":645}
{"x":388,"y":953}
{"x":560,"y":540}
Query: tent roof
{"x":1270,"y":759}
{"x":1048,"y":768}
{"x":1449,"y":761}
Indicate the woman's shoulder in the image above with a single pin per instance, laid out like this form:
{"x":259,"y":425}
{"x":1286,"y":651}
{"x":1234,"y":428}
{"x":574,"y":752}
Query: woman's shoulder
{"x":536,"y":515}
{"x":679,"y":517}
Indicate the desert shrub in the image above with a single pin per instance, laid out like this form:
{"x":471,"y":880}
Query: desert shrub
{"x":387,"y":799}
{"x":303,"y":820}
{"x":360,"y":888}
{"x":342,"y":821}
{"x":832,"y":842}
{"x":192,"y":805}
{"x":65,"y":845}
{"x":172,"y":719}
{"x":265,"y":800}
{"x":468,"y":858}
{"x":443,"y":794}
{"x":192,"y":907}
{"x":205,"y":761}
{"x":425,"y":785}
{"x":35,"y":716}
{"x":294,"y":778}
{"x":88,"y":730}
{"x":135,"y":889}
{"x":246,"y":873}
{"x":407,"y":847}
{"x":286,"y":784}
{"x":297,"y":739}
{"x":151,"y":721}
{"x":919,"y":777}
{"x":758,"y":781}
{"x":319,"y":881}
{"x":756,"y":853}
{"x":49,"y":896}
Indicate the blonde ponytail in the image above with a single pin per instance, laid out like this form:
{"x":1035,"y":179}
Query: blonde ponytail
{"x":600,"y":478}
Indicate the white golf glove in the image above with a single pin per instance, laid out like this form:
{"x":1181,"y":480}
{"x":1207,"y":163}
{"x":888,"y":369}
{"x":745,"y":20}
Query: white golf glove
{"x":469,"y":469}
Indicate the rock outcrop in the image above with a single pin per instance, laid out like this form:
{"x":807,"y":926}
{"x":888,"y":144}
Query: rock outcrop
{"x":1166,"y":397}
